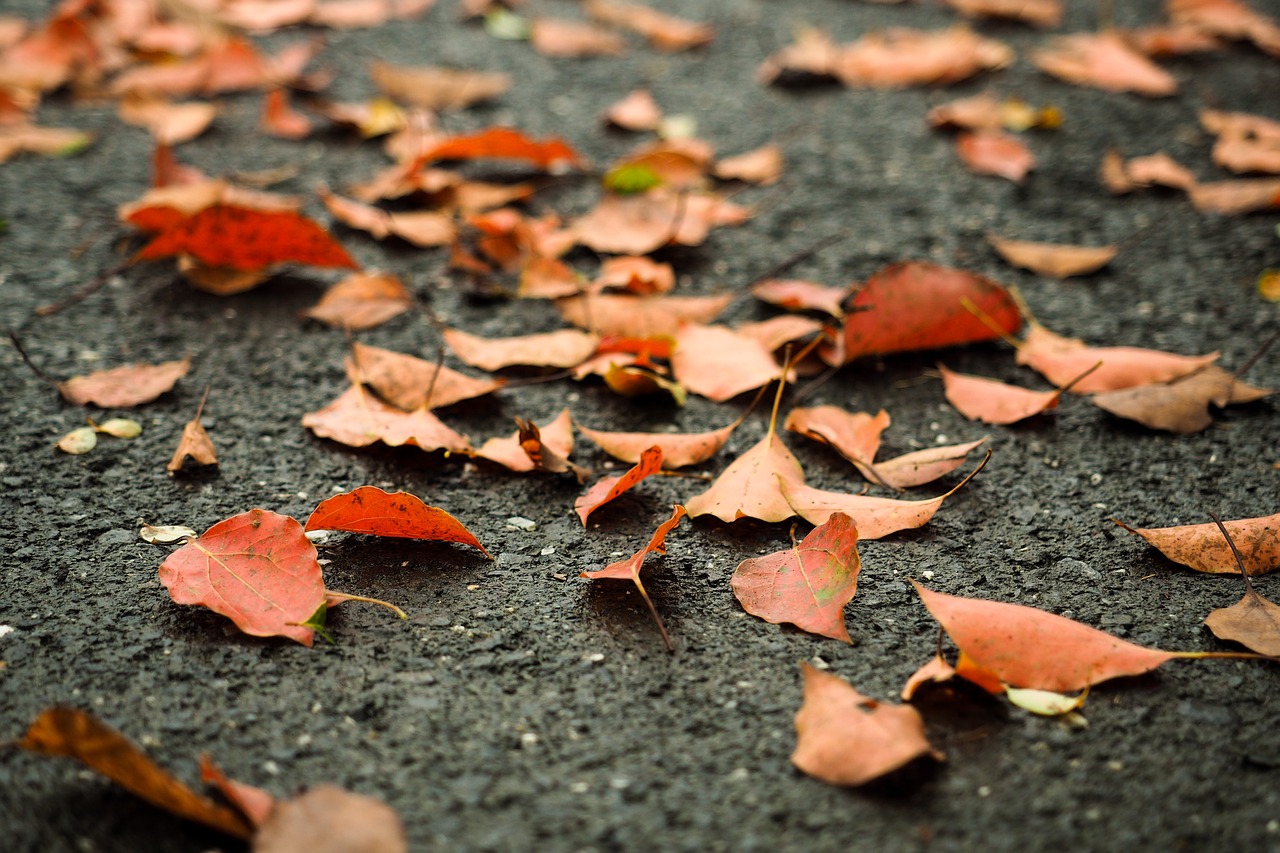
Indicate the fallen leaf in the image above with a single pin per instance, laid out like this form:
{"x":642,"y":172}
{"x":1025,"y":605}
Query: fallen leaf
{"x":776,"y":332}
{"x":78,"y":441}
{"x":636,"y":112}
{"x":555,"y":436}
{"x":168,"y":122}
{"x":1228,"y":18}
{"x":901,"y":57}
{"x":1269,"y":285}
{"x":361,"y":301}
{"x":813,"y":56}
{"x":994,"y":152}
{"x":924,"y":466}
{"x":678,"y":449}
{"x":640,"y":316}
{"x":854,"y":435}
{"x":609,"y":488}
{"x":411,"y":383}
{"x":639,"y":223}
{"x":1159,"y":169}
{"x":1053,"y":259}
{"x":762,"y":165}
{"x":916,"y":305}
{"x":124,"y":387}
{"x":573,"y":39}
{"x":1181,"y":405}
{"x":357,"y":419}
{"x":327,"y":819}
{"x":796,"y":295}
{"x":241,"y":238}
{"x":78,"y":734}
{"x":375,"y":117}
{"x":118,"y":427}
{"x":1062,"y":360}
{"x":436,"y":88}
{"x":254,"y":803}
{"x":720,"y":364}
{"x":664,"y":32}
{"x":1024,"y":647}
{"x":165,"y":534}
{"x":504,"y":143}
{"x":55,"y":141}
{"x":1163,"y":40}
{"x":754,"y":484}
{"x":280,"y":119}
{"x":195,"y":446}
{"x":1046,"y":703}
{"x":845,"y":738}
{"x":1243,"y":195}
{"x":1253,"y":621}
{"x":370,"y":510}
{"x":562,"y":348}
{"x":1045,"y":14}
{"x":875,"y":517}
{"x":1203,"y":548}
{"x":994,"y":402}
{"x":257,"y":568}
{"x":629,"y":569}
{"x":1105,"y":61}
{"x":807,"y":585}
{"x":422,"y":228}
{"x":638,"y":275}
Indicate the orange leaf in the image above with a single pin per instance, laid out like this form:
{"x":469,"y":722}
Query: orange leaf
{"x":357,"y":419}
{"x":562,"y":348}
{"x":924,"y":466}
{"x":802,"y":295}
{"x":1051,"y":259}
{"x":78,"y":734}
{"x":807,"y":586}
{"x":124,"y":387}
{"x":555,"y":436}
{"x":665,"y":32}
{"x":1203,"y":548}
{"x":762,"y":165}
{"x":282,"y":120}
{"x":640,"y":316}
{"x":1046,"y":14}
{"x":1105,"y":61}
{"x":401,"y":515}
{"x":854,"y":435}
{"x":1025,"y":647}
{"x":994,"y":402}
{"x":257,"y":568}
{"x":195,"y":446}
{"x":813,"y":55}
{"x":640,"y":223}
{"x":916,"y":305}
{"x":362,"y":301}
{"x":640,"y":275}
{"x":1060,"y":360}
{"x":776,"y":332}
{"x":504,"y":143}
{"x":901,"y":57}
{"x":1244,"y":195}
{"x":169,"y":123}
{"x":254,"y":803}
{"x":410,"y":383}
{"x":845,"y":738}
{"x":678,"y":449}
{"x":573,"y":39}
{"x":994,"y":152}
{"x":244,"y":239}
{"x":637,"y":111}
{"x":609,"y":488}
{"x":720,"y":364}
{"x":753,"y":486}
{"x":423,"y":228}
{"x":436,"y":88}
{"x":328,"y":818}
{"x":629,"y":569}
{"x":1253,"y":621}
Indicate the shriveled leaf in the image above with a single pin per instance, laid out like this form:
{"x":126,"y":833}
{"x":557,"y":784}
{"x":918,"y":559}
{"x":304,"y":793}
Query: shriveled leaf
{"x":124,"y":387}
{"x":1105,"y":61}
{"x":845,"y":738}
{"x":372,"y":511}
{"x":78,"y":734}
{"x":195,"y":448}
{"x":257,"y":568}
{"x":357,"y":419}
{"x":1053,"y":259}
{"x":720,"y":364}
{"x":1203,"y":548}
{"x":875,"y":517}
{"x":241,"y":238}
{"x":1060,"y":360}
{"x":640,"y":316}
{"x":678,"y":449}
{"x":629,"y":569}
{"x":165,"y":534}
{"x":362,"y":301}
{"x":994,"y":152}
{"x":562,"y":348}
{"x":807,"y":585}
{"x":916,"y":305}
{"x":1182,"y":405}
{"x":609,"y":488}
{"x":410,"y":383}
{"x":327,"y":819}
{"x":554,"y":438}
{"x":1025,"y":647}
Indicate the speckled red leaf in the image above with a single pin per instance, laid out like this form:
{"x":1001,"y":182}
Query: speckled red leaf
{"x":1025,"y":647}
{"x":241,"y":238}
{"x":629,"y":569}
{"x":609,"y":488}
{"x":808,"y":584}
{"x":916,"y":305}
{"x":845,"y":738}
{"x":257,"y":568}
{"x":124,"y":387}
{"x":399,"y":515}
{"x":78,"y":734}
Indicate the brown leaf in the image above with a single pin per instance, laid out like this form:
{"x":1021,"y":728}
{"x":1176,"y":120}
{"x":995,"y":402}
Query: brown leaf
{"x":1045,"y":14}
{"x":762,"y":165}
{"x":168,"y":122}
{"x":1203,"y":548}
{"x":845,"y":738}
{"x":1244,"y":195}
{"x":80,"y":735}
{"x":327,"y":819}
{"x":1063,"y":360}
{"x":1053,"y":259}
{"x":361,"y":301}
{"x":124,"y":387}
{"x":664,"y":32}
{"x":640,"y":316}
{"x":573,"y":39}
{"x":1182,"y":405}
{"x":813,"y":55}
{"x":195,"y":446}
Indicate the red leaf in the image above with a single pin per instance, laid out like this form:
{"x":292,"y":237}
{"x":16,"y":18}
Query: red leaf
{"x":629,"y":569}
{"x":807,"y":585}
{"x":257,"y":569}
{"x":241,"y":238}
{"x":504,"y":143}
{"x":609,"y":488}
{"x":401,"y":515}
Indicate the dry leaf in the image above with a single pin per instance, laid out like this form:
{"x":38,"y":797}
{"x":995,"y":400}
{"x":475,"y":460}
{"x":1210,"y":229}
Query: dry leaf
{"x":993,"y":402}
{"x":573,"y":39}
{"x":640,"y":316}
{"x":1182,"y":405}
{"x":636,"y":112}
{"x":762,"y":165}
{"x":609,"y":488}
{"x":1045,"y":14}
{"x":1053,"y":259}
{"x":357,"y":419}
{"x":678,"y":449}
{"x":994,"y":152}
{"x":1062,"y":360}
{"x":370,"y":510}
{"x":1203,"y":548}
{"x":562,"y":348}
{"x":411,"y":383}
{"x":1105,"y":61}
{"x":720,"y":364}
{"x":664,"y":32}
{"x":124,"y":387}
{"x":195,"y":446}
{"x":901,"y":57}
{"x":327,"y":819}
{"x":435,"y":88}
{"x":362,"y":301}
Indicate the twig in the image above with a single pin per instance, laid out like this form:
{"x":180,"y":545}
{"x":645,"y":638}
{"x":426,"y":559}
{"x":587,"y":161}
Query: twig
{"x":84,"y":291}
{"x":17,"y":344}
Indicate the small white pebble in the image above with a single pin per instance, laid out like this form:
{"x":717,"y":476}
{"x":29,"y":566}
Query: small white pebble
{"x":984,"y":791}
{"x":927,"y":575}
{"x":517,"y":522}
{"x":271,"y":768}
{"x":548,"y":551}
